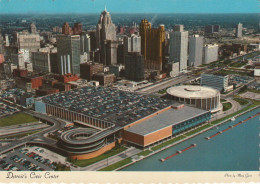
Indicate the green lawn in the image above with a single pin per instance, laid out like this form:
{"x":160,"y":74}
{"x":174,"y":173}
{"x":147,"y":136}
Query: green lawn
{"x":163,"y":91}
{"x":16,"y":119}
{"x":238,"y":64}
{"x":198,"y":130}
{"x":117,"y":165}
{"x":227,"y":106}
{"x":112,"y":152}
{"x":255,"y":103}
{"x":61,"y":167}
{"x":144,"y":153}
{"x":168,"y":143}
{"x":253,"y":90}
{"x":241,"y":101}
{"x":18,"y":136}
{"x":227,"y":72}
{"x":222,"y":100}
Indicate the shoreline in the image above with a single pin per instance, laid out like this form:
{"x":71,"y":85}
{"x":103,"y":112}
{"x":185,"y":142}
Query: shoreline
{"x":189,"y":137}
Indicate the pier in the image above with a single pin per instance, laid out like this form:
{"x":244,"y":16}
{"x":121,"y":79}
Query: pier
{"x":178,"y":152}
{"x":230,"y":127}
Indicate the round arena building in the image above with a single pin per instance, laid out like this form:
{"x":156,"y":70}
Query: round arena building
{"x":200,"y":96}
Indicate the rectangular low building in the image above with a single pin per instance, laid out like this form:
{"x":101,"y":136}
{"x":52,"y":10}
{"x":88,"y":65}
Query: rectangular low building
{"x":163,"y":124}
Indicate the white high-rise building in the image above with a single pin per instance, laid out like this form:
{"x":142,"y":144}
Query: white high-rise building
{"x":239,"y":29}
{"x":195,"y":50}
{"x":85,"y":43}
{"x":210,"y":53}
{"x":132,"y":44}
{"x":179,"y":47}
{"x":68,"y":51}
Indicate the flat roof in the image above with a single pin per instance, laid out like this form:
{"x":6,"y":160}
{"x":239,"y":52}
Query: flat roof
{"x":192,"y":91}
{"x":165,"y":119}
{"x":109,"y":104}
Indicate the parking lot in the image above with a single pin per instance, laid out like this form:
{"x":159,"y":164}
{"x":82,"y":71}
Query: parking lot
{"x":26,"y":160}
{"x":7,"y":109}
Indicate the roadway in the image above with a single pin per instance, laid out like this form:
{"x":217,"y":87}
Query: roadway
{"x":179,"y":79}
{"x":37,"y":137}
{"x":167,"y":83}
{"x":24,"y":128}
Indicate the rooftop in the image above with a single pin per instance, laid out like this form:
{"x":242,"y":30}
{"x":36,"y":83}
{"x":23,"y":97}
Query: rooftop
{"x":189,"y":91}
{"x":165,"y":119}
{"x":115,"y":106}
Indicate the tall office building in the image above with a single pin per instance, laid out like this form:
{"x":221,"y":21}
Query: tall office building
{"x":178,"y":27}
{"x":152,"y":45}
{"x":195,"y":50}
{"x":43,"y":61}
{"x":210,"y":53}
{"x":106,"y":36}
{"x":33,"y":28}
{"x":134,"y":66}
{"x":77,"y":29}
{"x":87,"y":70}
{"x":66,"y":28}
{"x":110,"y":52}
{"x":132,"y":43}
{"x":212,"y":29}
{"x":7,"y":43}
{"x":216,"y":28}
{"x":68,"y":51}
{"x":239,"y":29}
{"x":27,"y":41}
{"x":179,"y":48}
{"x":85,"y":42}
{"x":92,"y":35}
{"x":1,"y":43}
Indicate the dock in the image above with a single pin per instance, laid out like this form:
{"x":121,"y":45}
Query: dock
{"x":178,"y":152}
{"x":230,"y":127}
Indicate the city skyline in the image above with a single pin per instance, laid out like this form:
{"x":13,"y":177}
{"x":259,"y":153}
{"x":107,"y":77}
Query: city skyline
{"x":124,"y":6}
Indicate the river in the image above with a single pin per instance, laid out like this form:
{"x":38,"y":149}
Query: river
{"x":234,"y":150}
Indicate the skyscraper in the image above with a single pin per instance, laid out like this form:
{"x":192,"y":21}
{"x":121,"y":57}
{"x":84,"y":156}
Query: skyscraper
{"x":66,"y":28}
{"x":33,"y":28}
{"x":216,"y":28}
{"x":27,"y":41}
{"x":132,"y":44}
{"x":239,"y":29}
{"x":134,"y":66}
{"x":179,"y":48}
{"x":85,"y":42}
{"x":178,"y":27}
{"x":210,"y":53}
{"x":105,"y":31}
{"x":152,"y":45}
{"x":77,"y":29}
{"x":68,"y":51}
{"x":195,"y":50}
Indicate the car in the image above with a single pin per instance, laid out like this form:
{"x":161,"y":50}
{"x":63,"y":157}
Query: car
{"x":2,"y":162}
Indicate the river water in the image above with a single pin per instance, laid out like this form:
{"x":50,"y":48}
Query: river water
{"x":234,"y":150}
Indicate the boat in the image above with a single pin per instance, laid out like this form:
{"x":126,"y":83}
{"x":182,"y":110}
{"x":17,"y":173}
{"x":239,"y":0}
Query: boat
{"x":233,"y":119}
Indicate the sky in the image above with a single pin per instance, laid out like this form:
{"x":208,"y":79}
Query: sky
{"x":128,"y":6}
